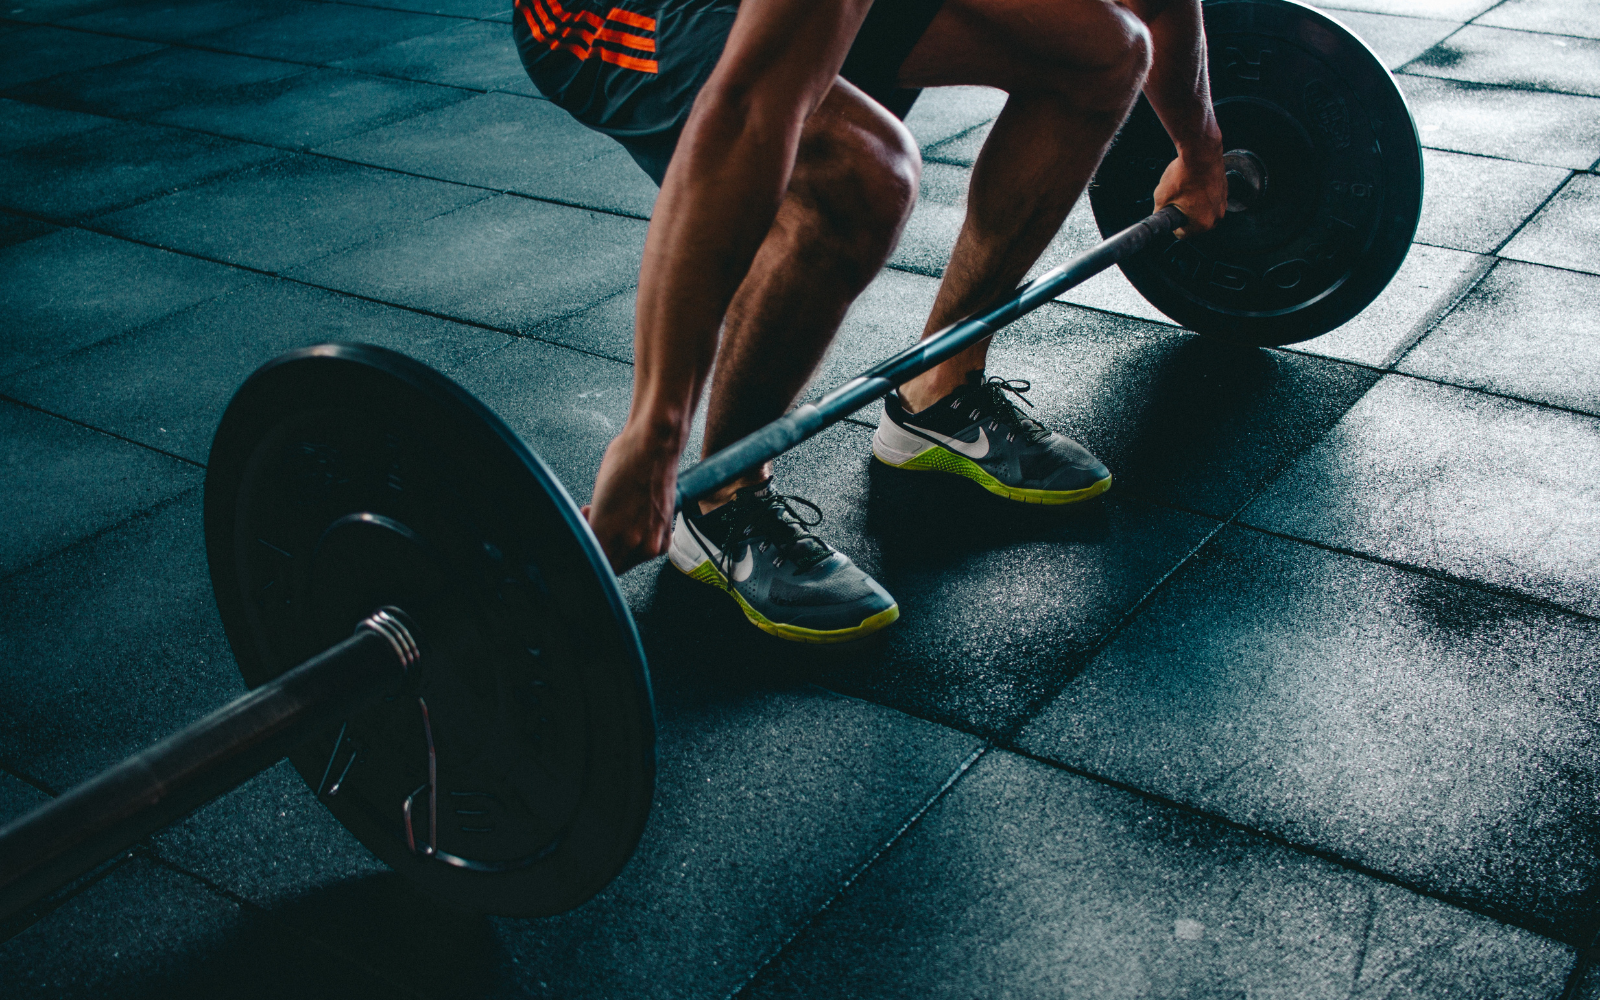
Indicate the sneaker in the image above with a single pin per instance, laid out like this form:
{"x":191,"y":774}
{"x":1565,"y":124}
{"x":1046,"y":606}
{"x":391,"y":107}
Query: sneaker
{"x":789,"y":582}
{"x":978,"y":432}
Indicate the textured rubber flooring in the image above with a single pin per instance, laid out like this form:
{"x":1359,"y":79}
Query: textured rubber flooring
{"x":1306,"y":706}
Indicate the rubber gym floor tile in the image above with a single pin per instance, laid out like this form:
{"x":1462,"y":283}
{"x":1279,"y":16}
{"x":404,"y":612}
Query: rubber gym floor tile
{"x":566,"y":405}
{"x":1430,"y":731}
{"x":1449,"y":10}
{"x":766,"y":800}
{"x":1473,"y":202}
{"x":476,"y":54}
{"x":1428,"y":283}
{"x":287,"y":212}
{"x":935,"y":222}
{"x":993,"y":619}
{"x":1026,"y":881}
{"x":1514,"y":59}
{"x":80,"y":176}
{"x":64,"y":482}
{"x":944,"y":112}
{"x":1527,"y":331}
{"x":316,"y":107}
{"x":605,"y":328}
{"x":1566,"y":232}
{"x":73,"y":288}
{"x":45,"y":11}
{"x":18,"y":797}
{"x":169,"y":21}
{"x":28,"y":124}
{"x":1395,"y":40}
{"x":959,"y":150}
{"x":112,"y":644}
{"x":130,"y":386}
{"x":504,"y":262}
{"x":611,"y":182}
{"x":1556,"y":16}
{"x":1555,"y":129}
{"x":36,"y":53}
{"x":169,"y":78}
{"x":1179,"y":419}
{"x":452,"y":8}
{"x":16,"y":229}
{"x":498,"y":141}
{"x":146,"y":930}
{"x":1457,"y":482}
{"x":998,"y":601}
{"x":270,"y":842}
{"x":322,"y":33}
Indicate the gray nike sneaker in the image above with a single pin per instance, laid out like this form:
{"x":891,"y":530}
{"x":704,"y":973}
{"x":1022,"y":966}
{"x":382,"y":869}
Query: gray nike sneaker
{"x":788,"y":582}
{"x":978,"y":432}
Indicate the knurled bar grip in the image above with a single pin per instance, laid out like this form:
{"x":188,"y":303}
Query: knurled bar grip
{"x":810,"y":418}
{"x":69,"y":835}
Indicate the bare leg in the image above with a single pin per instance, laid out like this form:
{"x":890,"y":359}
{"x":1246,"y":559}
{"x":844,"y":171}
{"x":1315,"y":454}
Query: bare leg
{"x":854,"y":183}
{"x":1072,"y":70}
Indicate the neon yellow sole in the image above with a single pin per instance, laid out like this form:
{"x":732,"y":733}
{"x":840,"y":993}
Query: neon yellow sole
{"x":707,"y":573}
{"x":937,"y":459}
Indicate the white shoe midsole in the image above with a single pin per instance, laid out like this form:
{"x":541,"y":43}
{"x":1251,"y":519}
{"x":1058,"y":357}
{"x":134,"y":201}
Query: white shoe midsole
{"x":685,"y":550}
{"x":895,"y":445}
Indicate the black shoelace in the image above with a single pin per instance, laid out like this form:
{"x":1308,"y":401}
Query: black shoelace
{"x":773,"y":514}
{"x":992,"y":402}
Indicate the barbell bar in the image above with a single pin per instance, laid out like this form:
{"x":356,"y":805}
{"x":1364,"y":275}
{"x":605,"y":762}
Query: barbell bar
{"x":488,"y":730}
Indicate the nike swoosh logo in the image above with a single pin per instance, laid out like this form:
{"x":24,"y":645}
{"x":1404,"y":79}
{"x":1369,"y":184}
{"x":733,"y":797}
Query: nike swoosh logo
{"x":739,"y":571}
{"x":745,"y":566}
{"x":971,"y":449}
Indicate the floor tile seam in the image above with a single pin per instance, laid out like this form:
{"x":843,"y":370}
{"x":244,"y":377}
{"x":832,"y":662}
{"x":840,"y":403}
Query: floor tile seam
{"x":1505,"y":159}
{"x":7,"y":398}
{"x":1409,"y":17}
{"x":399,"y":10}
{"x":1587,"y":957}
{"x":150,"y":851}
{"x":1402,"y":71}
{"x":416,"y":310}
{"x":1548,"y":929}
{"x":1488,"y":10}
{"x":1101,"y":310}
{"x":1078,"y":662}
{"x":860,"y":870}
{"x":38,"y":784}
{"x":54,"y":901}
{"x":145,"y":513}
{"x":289,"y":151}
{"x":1535,"y":213}
{"x":192,"y":47}
{"x":1486,"y":264}
{"x":933,"y":147}
{"x":1482,"y":586}
{"x":1525,"y":31}
{"x":1495,"y":394}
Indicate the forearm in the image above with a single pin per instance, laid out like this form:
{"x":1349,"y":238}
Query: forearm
{"x":1177,"y":86}
{"x":716,"y":205}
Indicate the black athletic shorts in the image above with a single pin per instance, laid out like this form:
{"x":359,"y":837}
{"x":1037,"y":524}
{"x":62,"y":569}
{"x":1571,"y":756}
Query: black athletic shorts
{"x":634,"y":72}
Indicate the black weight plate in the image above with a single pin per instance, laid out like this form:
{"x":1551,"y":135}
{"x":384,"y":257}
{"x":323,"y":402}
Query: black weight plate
{"x":344,"y":478}
{"x":1343,"y":192}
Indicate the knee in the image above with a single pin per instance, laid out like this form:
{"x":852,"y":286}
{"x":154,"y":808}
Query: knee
{"x":1100,"y":65}
{"x":1126,"y":50}
{"x":860,"y":181}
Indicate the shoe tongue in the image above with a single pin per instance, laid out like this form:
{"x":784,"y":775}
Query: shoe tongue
{"x":975,"y":377}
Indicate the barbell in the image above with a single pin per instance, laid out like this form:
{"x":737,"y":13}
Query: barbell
{"x":486,"y":729}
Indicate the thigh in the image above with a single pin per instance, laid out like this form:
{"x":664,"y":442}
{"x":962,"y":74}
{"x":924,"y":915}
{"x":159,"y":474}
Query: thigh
{"x":1017,"y":45}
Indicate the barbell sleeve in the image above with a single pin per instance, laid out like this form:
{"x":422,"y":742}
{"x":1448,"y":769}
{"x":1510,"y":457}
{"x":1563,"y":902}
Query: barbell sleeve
{"x":809,"y":419}
{"x":69,"y":835}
